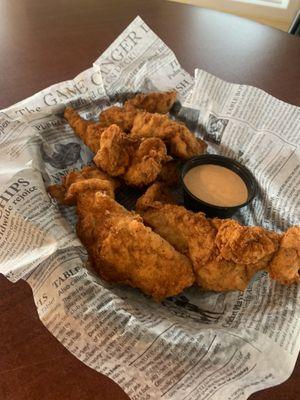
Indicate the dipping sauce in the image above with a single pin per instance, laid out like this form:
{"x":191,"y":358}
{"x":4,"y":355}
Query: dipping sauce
{"x":216,"y":185}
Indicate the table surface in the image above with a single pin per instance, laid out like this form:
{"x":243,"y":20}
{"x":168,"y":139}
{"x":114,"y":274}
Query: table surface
{"x":44,"y":42}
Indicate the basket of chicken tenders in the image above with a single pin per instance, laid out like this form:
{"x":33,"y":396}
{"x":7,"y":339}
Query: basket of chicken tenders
{"x":157,"y":224}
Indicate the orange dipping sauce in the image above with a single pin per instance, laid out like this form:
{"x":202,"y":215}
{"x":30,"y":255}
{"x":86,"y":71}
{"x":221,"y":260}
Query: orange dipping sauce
{"x":216,"y":185}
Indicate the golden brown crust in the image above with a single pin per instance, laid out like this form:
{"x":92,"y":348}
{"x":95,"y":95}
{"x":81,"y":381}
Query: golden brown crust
{"x":137,"y":160}
{"x":245,"y":244}
{"x":146,"y":162}
{"x":285,"y":266}
{"x":182,"y":143}
{"x":88,"y":131}
{"x":122,"y":249}
{"x":155,"y":102}
{"x":121,"y":116}
{"x":88,"y":179}
{"x":115,"y":152}
{"x":225,"y":255}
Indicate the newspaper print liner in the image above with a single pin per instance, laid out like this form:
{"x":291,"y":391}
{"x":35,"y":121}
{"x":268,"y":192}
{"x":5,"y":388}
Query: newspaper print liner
{"x":195,"y":346}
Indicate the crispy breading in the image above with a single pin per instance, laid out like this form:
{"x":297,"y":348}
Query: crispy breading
{"x":121,"y":248}
{"x":146,"y":163}
{"x":285,"y":266}
{"x":115,"y":152}
{"x":89,"y":178}
{"x":182,"y":143}
{"x":121,"y":116}
{"x":155,"y":102}
{"x":137,"y":160}
{"x":225,"y":255}
{"x":245,"y":244}
{"x":88,"y":131}
{"x":191,"y":234}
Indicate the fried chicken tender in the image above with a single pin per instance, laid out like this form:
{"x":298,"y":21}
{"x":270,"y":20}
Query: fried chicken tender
{"x":121,"y":248}
{"x":285,"y":266}
{"x":225,"y":255}
{"x":121,"y":116}
{"x":137,"y":160}
{"x":159,"y":102}
{"x":182,"y":143}
{"x":191,"y":234}
{"x":89,"y":179}
{"x":155,"y":102}
{"x":88,"y":131}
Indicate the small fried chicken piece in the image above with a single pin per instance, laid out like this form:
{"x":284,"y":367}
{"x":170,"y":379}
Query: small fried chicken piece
{"x":146,"y":163}
{"x":241,"y":251}
{"x":225,"y":255}
{"x":246,"y":244}
{"x":121,"y":116}
{"x":181,"y":142}
{"x":285,"y":266}
{"x":155,"y":102}
{"x":122,"y":249}
{"x":115,"y":151}
{"x":89,"y":178}
{"x":138,"y":161}
{"x":88,"y":131}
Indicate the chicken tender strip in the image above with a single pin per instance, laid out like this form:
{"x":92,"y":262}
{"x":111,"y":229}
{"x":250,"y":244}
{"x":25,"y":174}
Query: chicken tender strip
{"x":89,"y":179}
{"x":121,"y":116}
{"x":225,"y":255}
{"x":182,"y":143}
{"x":285,"y":266}
{"x":191,"y":234}
{"x":88,"y":131}
{"x":155,"y":102}
{"x":123,"y":250}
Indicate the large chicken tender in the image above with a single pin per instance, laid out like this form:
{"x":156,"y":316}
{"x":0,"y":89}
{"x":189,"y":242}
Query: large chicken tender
{"x":133,"y":254}
{"x":225,"y":255}
{"x":155,"y":102}
{"x":182,"y":143}
{"x":121,"y":248}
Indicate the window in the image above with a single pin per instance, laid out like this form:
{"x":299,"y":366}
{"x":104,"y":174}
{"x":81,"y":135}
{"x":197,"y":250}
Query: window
{"x":279,"y":13}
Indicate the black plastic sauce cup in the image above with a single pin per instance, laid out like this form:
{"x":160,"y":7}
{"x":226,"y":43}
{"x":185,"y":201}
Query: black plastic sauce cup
{"x":195,"y":204}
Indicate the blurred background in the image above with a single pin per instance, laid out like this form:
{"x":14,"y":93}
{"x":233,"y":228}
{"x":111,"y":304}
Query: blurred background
{"x":281,"y":14}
